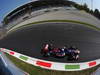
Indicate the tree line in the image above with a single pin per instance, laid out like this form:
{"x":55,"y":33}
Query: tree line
{"x":84,"y":7}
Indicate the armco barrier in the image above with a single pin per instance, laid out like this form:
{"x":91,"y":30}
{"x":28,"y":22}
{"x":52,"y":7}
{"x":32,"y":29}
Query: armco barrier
{"x":52,"y":65}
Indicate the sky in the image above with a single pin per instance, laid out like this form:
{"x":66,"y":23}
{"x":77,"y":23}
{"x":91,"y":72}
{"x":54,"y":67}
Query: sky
{"x":8,"y":5}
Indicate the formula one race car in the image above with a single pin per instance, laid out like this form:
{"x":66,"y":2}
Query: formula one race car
{"x":57,"y":52}
{"x":71,"y":53}
{"x":54,"y":52}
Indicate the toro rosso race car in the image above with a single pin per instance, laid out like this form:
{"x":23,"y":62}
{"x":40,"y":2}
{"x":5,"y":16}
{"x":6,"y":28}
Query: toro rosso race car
{"x":72,"y":53}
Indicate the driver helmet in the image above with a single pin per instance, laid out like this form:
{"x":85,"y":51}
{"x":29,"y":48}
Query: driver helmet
{"x":46,"y":46}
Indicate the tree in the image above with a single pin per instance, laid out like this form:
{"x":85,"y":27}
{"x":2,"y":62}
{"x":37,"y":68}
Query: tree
{"x":97,"y":13}
{"x":91,"y":12}
{"x":85,"y":7}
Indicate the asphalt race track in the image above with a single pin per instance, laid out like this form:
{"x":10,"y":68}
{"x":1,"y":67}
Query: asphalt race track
{"x":29,"y":40}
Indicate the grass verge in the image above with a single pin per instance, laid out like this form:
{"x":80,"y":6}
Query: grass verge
{"x":33,"y":70}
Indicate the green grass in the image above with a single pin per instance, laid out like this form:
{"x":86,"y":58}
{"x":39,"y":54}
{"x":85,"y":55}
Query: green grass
{"x":46,"y":21}
{"x":33,"y":70}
